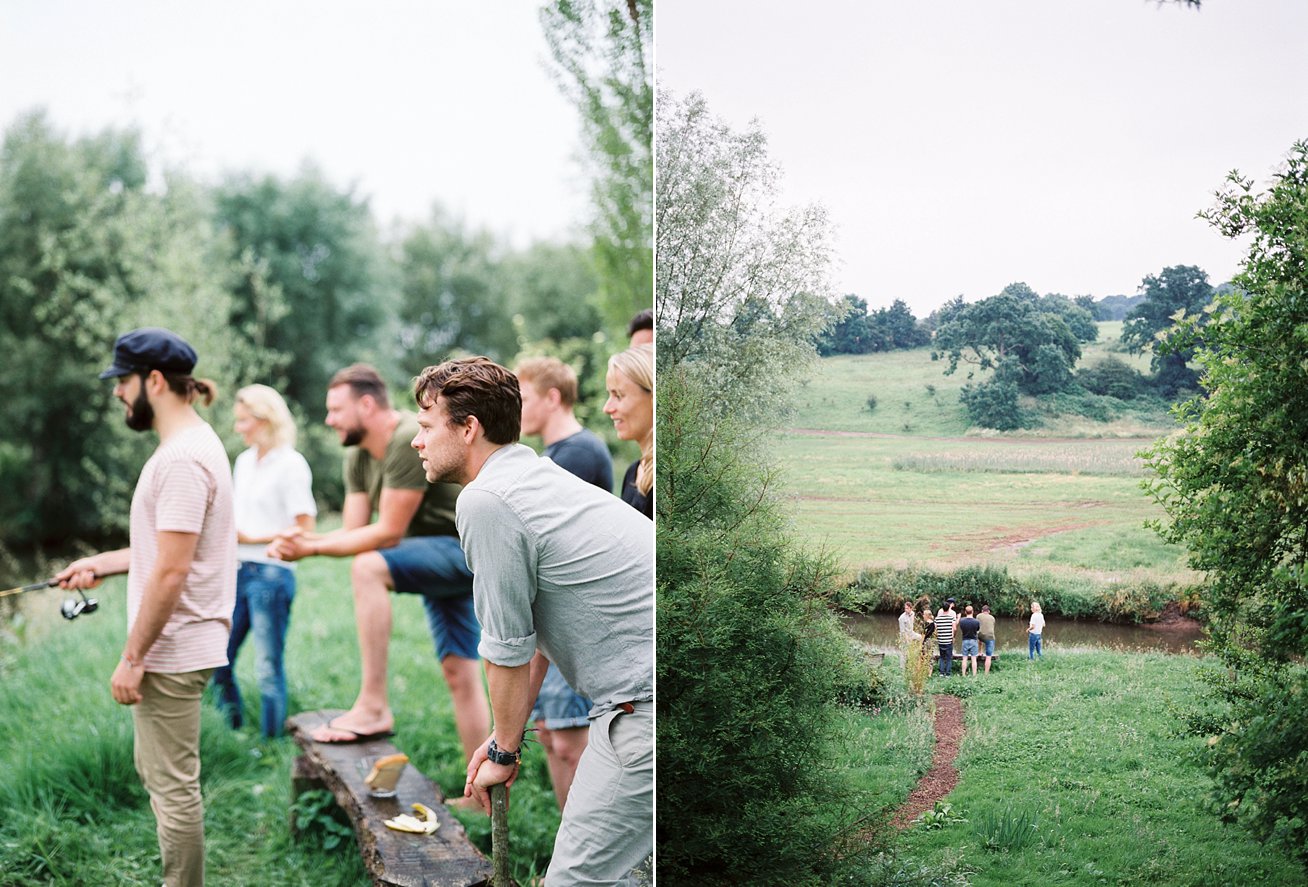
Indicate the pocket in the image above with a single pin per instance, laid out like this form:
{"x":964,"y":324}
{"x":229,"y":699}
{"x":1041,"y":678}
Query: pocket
{"x":629,"y":737}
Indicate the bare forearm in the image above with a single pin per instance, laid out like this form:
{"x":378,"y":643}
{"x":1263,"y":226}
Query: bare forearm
{"x":159,"y":600}
{"x":346,"y":542}
{"x":512,"y":692}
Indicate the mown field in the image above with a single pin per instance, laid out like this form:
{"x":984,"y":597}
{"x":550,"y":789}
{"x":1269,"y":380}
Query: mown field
{"x":1072,"y":771}
{"x":909,"y":484}
{"x":71,"y":807}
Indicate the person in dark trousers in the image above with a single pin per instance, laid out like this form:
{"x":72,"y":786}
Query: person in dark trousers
{"x":945,"y":624}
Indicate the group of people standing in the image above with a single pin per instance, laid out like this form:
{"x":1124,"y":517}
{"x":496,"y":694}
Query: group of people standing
{"x":531,"y":572}
{"x":977,"y":631}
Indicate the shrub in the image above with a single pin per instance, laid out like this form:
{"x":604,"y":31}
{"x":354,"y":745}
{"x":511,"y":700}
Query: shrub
{"x":871,"y":403}
{"x":993,"y":404}
{"x":1113,"y":377}
{"x":750,"y":663}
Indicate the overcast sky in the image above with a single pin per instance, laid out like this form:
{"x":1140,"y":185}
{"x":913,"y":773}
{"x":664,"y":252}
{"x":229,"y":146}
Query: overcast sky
{"x":409,"y":102}
{"x":963,"y":145}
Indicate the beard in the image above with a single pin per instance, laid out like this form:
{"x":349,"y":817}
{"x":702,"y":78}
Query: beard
{"x":353,"y":437}
{"x":140,"y":415}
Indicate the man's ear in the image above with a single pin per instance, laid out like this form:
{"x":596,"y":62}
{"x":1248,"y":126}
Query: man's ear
{"x":555,"y":399}
{"x":154,"y":383}
{"x":471,"y":426}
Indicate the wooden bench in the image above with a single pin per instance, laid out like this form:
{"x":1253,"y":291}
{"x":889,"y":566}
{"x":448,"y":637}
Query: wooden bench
{"x":395,"y":859}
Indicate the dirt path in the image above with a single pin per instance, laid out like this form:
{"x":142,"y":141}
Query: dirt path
{"x":942,"y":777}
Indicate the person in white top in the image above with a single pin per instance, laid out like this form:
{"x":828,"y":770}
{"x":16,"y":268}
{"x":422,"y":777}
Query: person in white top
{"x":273,"y":491}
{"x":181,"y":584}
{"x":1033,"y":632}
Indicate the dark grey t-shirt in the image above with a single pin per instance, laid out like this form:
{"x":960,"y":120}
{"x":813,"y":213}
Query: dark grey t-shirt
{"x":584,"y":455}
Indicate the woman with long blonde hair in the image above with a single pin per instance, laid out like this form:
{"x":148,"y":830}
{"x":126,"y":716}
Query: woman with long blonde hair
{"x":271,"y":486}
{"x":630,"y":383}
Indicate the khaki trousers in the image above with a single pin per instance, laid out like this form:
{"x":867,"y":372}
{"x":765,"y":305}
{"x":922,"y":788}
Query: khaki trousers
{"x":167,"y":754}
{"x":608,"y":823}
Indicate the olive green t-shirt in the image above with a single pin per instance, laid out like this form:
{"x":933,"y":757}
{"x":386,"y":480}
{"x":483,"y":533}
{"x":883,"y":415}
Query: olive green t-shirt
{"x":401,"y":469}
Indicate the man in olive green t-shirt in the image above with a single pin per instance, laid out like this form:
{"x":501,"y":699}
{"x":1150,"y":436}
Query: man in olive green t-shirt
{"x":411,"y":547}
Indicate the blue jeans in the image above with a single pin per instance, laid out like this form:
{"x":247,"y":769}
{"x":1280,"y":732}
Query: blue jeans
{"x":264,"y":593}
{"x":1033,"y":647}
{"x":946,"y":658}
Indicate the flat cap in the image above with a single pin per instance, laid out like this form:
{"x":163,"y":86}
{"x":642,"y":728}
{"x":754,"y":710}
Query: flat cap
{"x":150,"y":348}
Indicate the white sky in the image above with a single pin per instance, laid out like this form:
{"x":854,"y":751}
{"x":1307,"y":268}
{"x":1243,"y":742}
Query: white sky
{"x":409,"y":102}
{"x":963,"y":145}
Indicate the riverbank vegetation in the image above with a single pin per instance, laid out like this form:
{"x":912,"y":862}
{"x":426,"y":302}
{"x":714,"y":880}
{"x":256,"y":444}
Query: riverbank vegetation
{"x":72,"y":810}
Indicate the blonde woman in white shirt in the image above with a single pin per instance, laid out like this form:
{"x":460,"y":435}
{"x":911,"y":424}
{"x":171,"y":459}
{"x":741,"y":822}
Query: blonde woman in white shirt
{"x":1033,"y":632}
{"x":272,"y":491}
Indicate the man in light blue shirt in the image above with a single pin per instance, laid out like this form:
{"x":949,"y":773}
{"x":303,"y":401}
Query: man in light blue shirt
{"x":561,"y":566}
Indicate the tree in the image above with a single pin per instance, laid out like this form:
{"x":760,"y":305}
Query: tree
{"x":848,"y":333}
{"x":603,"y":50}
{"x":452,"y":295}
{"x":1179,"y":291}
{"x":1013,"y":335}
{"x":896,"y":327}
{"x":1235,"y":487}
{"x":87,"y":253}
{"x":315,"y":292}
{"x":742,"y":290}
{"x":747,"y":647}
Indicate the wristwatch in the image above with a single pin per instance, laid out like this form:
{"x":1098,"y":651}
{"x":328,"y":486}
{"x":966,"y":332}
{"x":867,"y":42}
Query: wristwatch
{"x":504,"y":758}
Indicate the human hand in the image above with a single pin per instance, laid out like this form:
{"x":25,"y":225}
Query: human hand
{"x":125,"y":685}
{"x":82,"y":573}
{"x":483,"y":773}
{"x":291,"y":544}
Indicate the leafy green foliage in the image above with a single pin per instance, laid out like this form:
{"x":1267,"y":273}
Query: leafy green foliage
{"x":1235,"y":486}
{"x":861,"y":332}
{"x":749,"y":663}
{"x":1112,"y":377}
{"x":1179,"y":291}
{"x":603,"y":49}
{"x":741,"y":291}
{"x":939,"y":816}
{"x":993,"y":404}
{"x":86,"y":253}
{"x":315,"y":816}
{"x":1026,"y":340}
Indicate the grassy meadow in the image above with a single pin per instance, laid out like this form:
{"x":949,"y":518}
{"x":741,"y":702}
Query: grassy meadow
{"x":909,"y":484}
{"x":1071,"y":772}
{"x":71,"y":807}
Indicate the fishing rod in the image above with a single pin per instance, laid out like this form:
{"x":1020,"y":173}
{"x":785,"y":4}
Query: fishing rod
{"x":71,"y":608}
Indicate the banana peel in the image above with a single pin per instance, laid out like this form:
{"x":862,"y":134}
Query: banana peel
{"x":425,"y":823}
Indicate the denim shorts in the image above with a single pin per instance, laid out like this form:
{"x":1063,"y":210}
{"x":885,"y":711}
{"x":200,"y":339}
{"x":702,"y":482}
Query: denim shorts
{"x":990,"y":646}
{"x":434,"y":567}
{"x":969,"y":646}
{"x":558,"y":705}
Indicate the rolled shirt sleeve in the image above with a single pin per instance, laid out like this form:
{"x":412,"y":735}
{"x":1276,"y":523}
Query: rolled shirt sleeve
{"x":502,"y":555}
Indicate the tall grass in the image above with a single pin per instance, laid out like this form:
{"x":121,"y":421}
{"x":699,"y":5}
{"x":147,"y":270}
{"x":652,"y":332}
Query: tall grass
{"x":72,"y":810}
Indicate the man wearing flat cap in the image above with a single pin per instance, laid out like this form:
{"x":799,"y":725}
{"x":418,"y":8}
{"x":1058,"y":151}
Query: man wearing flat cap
{"x":181,"y":583}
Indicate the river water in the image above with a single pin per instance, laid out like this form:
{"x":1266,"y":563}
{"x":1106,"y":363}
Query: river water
{"x":881,"y":631}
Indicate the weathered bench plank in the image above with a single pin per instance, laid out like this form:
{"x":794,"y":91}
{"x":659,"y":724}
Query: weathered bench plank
{"x":393,"y":859}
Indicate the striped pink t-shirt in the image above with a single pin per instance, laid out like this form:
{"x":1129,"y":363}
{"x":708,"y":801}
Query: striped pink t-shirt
{"x":186,"y":487}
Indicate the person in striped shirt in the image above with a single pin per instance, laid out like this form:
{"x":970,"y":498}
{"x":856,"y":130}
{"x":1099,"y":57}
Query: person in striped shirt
{"x":181,"y":584}
{"x":946,"y":619}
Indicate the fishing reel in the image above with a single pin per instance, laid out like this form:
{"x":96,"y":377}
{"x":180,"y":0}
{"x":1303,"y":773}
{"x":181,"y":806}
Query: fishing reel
{"x":74,"y":607}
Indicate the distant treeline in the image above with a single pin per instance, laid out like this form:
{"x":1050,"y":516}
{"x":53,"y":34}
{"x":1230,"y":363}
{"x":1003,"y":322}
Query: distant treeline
{"x":1031,"y":344}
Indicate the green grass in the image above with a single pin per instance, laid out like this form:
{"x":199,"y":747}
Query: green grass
{"x":71,"y":807}
{"x":909,"y":484}
{"x":1083,"y":745}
